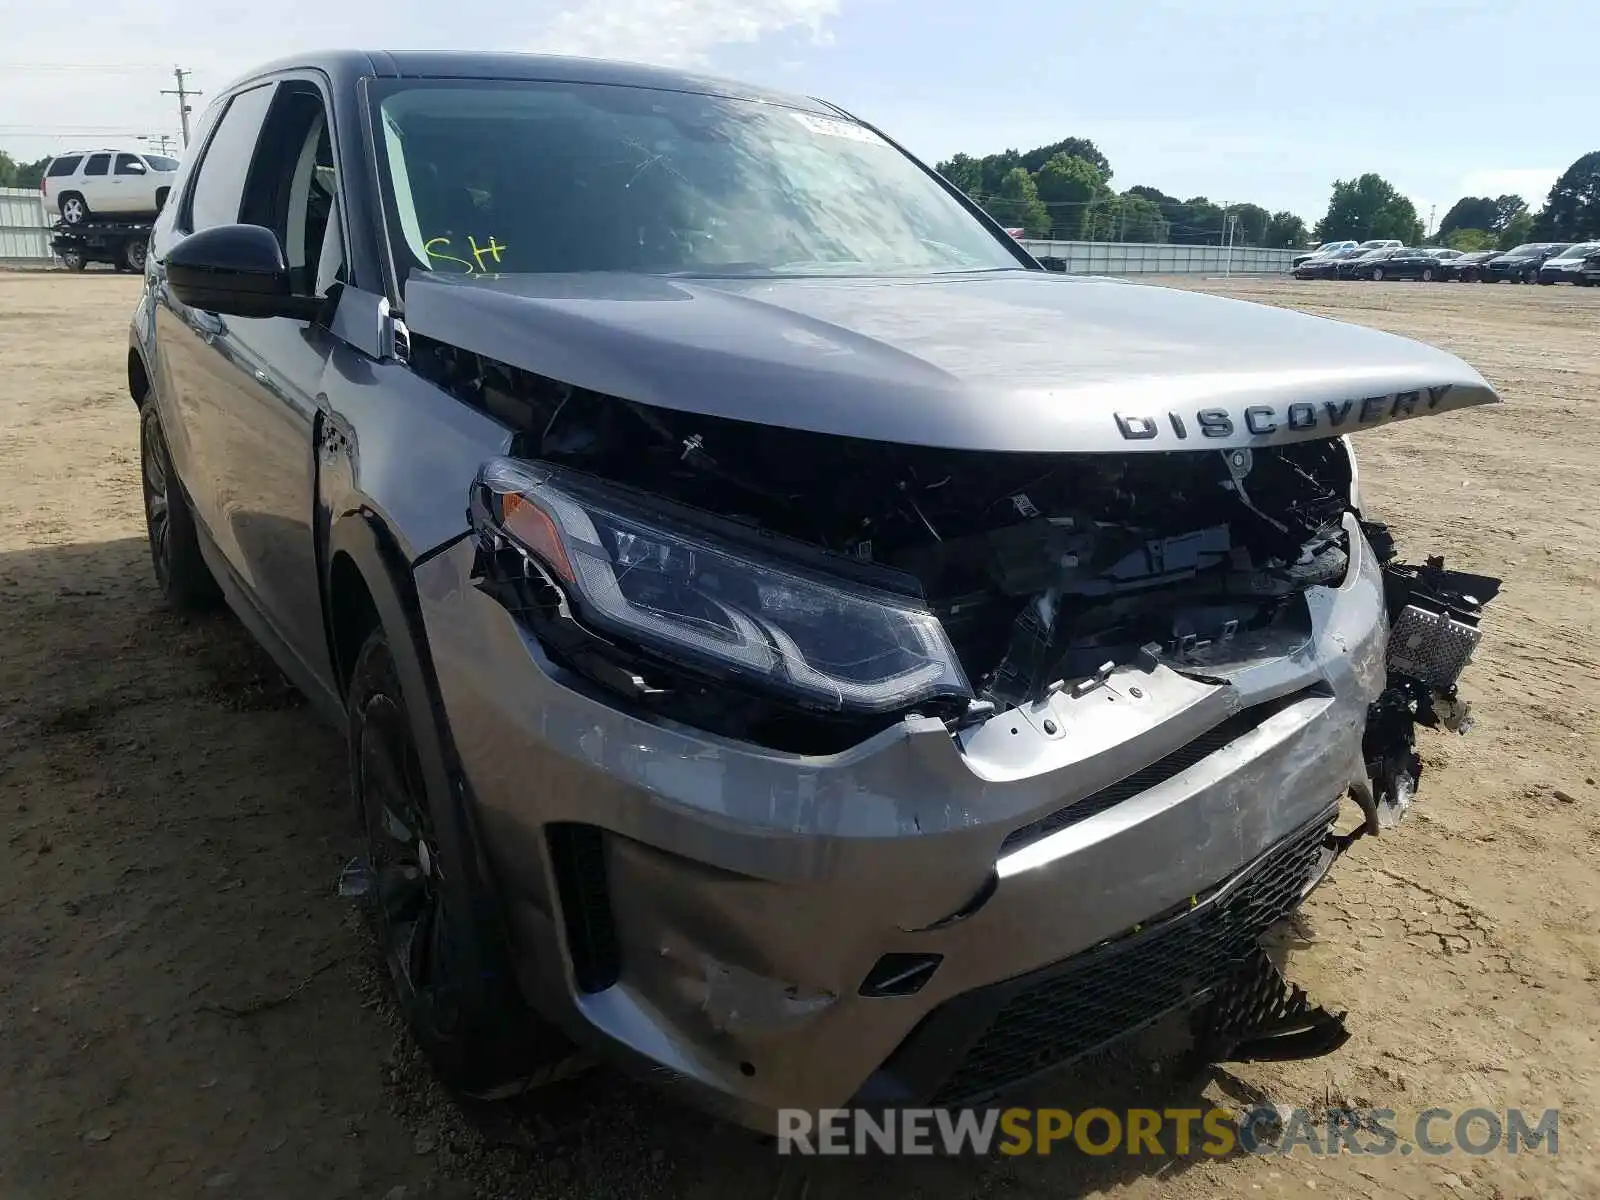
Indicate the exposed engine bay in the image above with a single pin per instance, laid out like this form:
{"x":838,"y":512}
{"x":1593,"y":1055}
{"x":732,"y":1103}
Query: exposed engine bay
{"x":1040,"y":567}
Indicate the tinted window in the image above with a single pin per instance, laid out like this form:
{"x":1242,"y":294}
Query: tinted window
{"x":292,"y":184}
{"x":97,"y":164}
{"x":129,"y":164}
{"x":65,"y":166}
{"x":220,"y":183}
{"x":539,"y":178}
{"x":159,"y":163}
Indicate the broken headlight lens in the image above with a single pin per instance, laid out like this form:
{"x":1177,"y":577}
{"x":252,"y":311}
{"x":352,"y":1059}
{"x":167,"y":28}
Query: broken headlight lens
{"x":635,"y":573}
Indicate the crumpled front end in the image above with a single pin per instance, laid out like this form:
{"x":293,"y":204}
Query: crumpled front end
{"x":816,"y":768}
{"x":768,"y":929}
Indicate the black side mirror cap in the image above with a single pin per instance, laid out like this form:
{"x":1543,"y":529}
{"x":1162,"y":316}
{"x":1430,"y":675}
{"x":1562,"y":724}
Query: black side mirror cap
{"x":236,"y":271}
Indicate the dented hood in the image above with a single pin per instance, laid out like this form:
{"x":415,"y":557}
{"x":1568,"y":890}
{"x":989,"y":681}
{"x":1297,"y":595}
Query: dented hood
{"x":1012,"y":360}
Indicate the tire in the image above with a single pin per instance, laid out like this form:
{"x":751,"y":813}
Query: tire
{"x":1427,"y":275}
{"x":73,"y":260}
{"x":134,"y":252}
{"x":74,"y":208}
{"x":161,"y":198}
{"x":181,"y":572}
{"x":455,"y":993}
{"x":1376,"y":275}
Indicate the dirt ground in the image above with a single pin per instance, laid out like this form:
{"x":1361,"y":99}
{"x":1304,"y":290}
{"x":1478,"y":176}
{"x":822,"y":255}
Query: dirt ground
{"x":187,"y":1008}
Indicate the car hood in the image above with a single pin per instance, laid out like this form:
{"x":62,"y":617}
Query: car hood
{"x":1002,"y":361}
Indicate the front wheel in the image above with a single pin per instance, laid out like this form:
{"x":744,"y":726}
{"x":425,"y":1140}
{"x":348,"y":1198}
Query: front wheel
{"x":135,"y":253}
{"x":181,"y":572}
{"x":1377,"y":274}
{"x":455,"y":994}
{"x":1427,"y":274}
{"x":73,"y":261}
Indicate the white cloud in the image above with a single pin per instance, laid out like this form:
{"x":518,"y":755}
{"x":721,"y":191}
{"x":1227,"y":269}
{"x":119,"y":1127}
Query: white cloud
{"x":1533,"y":184}
{"x":677,"y":32}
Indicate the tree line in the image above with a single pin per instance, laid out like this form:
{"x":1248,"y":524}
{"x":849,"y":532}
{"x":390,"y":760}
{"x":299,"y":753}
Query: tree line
{"x":21,"y":175}
{"x":1064,"y":190}
{"x":1370,"y":207}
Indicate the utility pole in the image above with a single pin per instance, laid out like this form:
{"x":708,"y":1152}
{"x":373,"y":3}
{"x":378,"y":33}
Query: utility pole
{"x":183,"y":94}
{"x":1432,"y":208}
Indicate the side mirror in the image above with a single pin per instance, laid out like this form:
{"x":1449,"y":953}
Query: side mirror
{"x":238,"y":271}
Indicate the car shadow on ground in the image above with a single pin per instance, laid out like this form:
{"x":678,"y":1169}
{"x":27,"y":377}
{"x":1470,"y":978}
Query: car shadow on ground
{"x":180,"y":826}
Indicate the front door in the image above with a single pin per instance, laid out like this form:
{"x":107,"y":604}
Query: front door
{"x":244,"y":393}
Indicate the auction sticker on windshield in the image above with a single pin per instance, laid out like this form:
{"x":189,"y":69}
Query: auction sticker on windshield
{"x":848,"y":130}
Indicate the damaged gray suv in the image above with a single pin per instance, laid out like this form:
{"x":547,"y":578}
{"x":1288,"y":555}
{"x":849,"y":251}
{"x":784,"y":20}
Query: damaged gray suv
{"x":788,"y":642}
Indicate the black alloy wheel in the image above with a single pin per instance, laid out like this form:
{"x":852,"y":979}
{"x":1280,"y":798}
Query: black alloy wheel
{"x":180,"y":569}
{"x":457,"y":997}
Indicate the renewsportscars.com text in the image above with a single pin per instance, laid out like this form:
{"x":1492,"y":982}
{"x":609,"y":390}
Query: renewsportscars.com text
{"x":1214,"y":1132}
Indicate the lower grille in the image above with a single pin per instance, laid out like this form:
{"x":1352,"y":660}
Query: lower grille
{"x":1128,"y":983}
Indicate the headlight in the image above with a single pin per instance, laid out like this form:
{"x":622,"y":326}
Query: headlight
{"x":638,"y":573}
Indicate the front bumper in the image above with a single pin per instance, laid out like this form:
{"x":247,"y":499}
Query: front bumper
{"x":712,"y":912}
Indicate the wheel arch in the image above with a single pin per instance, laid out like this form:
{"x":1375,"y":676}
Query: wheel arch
{"x":138,"y":378}
{"x":368,"y":585}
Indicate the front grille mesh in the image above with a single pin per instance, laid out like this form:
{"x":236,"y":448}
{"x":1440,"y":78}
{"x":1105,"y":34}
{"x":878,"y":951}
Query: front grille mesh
{"x":1123,"y":985}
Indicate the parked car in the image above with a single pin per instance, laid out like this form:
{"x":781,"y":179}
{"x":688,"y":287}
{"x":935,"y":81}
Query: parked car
{"x":84,"y":183}
{"x":1567,"y":267}
{"x":1422,"y":262}
{"x":1468,"y":267}
{"x":1589,"y":273}
{"x":1521,"y":264}
{"x":777,"y":648}
{"x":1362,"y":264}
{"x":1324,"y":266}
{"x":1381,"y":244}
{"x":1320,"y":251}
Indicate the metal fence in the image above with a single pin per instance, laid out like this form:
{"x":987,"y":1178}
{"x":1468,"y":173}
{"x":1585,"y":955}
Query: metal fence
{"x":25,"y":242}
{"x":1158,"y":258}
{"x":24,"y":232}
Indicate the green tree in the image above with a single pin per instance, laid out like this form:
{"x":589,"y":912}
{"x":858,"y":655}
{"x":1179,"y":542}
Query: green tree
{"x":1571,"y":212}
{"x":1470,"y":212}
{"x":1285,"y":231}
{"x":1518,"y":230}
{"x":1018,"y":203}
{"x":994,"y":169}
{"x":1468,"y":240}
{"x":1067,"y":186}
{"x":1251,"y":226}
{"x":1199,"y":222}
{"x":964,"y":171}
{"x":21,"y":175}
{"x":1507,"y":209}
{"x":1072,"y":147}
{"x":1139,"y":219}
{"x":1369,"y":207}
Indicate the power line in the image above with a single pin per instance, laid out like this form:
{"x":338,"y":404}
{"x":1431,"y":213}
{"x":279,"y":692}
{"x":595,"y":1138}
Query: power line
{"x":98,"y":68}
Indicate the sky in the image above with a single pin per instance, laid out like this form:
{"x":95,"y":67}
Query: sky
{"x":1256,"y":101}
